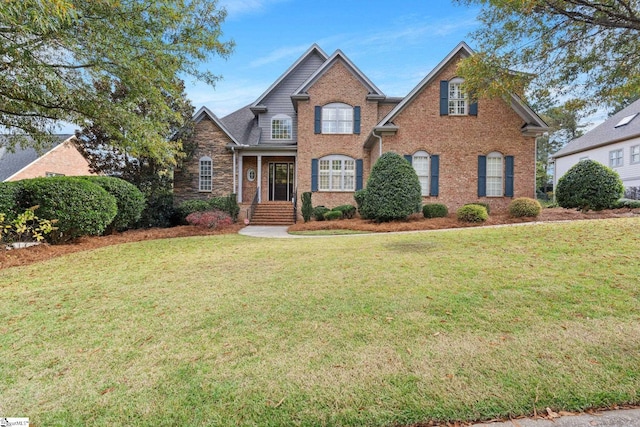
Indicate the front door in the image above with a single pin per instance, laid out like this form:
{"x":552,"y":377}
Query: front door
{"x":281,"y":181}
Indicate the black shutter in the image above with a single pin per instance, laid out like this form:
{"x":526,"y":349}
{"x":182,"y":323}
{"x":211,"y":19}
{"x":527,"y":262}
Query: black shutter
{"x":314,"y":174}
{"x":359,"y":173}
{"x":318,"y":120}
{"x":473,"y":109}
{"x":444,"y":98}
{"x":434,"y":181}
{"x":409,"y":158}
{"x":508,"y":176}
{"x":482,"y":176}
{"x":356,"y":120}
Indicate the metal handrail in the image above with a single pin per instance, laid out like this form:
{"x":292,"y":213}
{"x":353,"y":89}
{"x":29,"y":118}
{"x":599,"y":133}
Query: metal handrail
{"x":254,"y":203}
{"x":295,"y":206}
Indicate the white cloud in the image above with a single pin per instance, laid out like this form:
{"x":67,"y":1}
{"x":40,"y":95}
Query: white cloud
{"x":227,"y":96}
{"x":279,"y":54}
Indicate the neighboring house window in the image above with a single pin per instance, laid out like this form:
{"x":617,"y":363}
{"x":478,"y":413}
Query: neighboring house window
{"x":337,"y":173}
{"x":50,"y":174}
{"x":583,"y":158}
{"x":495,"y":176}
{"x":281,"y":127}
{"x":615,"y":158}
{"x":206,"y":174}
{"x":457,"y":98}
{"x":635,"y":154}
{"x":337,"y":118}
{"x":420,"y":162}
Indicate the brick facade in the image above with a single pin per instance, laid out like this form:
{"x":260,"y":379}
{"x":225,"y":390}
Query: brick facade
{"x":65,"y":159}
{"x":457,"y":140}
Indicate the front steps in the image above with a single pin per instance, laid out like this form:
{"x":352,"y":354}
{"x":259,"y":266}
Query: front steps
{"x":273,"y":213}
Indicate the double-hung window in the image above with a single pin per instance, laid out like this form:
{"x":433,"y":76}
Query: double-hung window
{"x":205,"y":181}
{"x":336,"y":173}
{"x":495,"y":175}
{"x":635,"y":154}
{"x":457,"y":98}
{"x":615,"y":158}
{"x":337,"y":118}
{"x":420,"y":162}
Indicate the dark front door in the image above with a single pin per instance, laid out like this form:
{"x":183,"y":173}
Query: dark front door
{"x":280,"y":181}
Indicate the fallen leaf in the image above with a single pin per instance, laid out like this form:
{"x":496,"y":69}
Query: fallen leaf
{"x":552,"y":414}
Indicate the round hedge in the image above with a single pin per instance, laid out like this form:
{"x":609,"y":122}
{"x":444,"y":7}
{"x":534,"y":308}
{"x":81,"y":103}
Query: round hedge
{"x":472,"y":213}
{"x":80,"y":207}
{"x":434,"y":210}
{"x":332,"y":215}
{"x":524,"y":207}
{"x":589,"y":185}
{"x":130,"y":200}
{"x":393,"y":190}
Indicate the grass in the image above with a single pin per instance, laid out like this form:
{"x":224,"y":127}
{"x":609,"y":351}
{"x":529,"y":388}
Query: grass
{"x":336,"y":232}
{"x":360,"y":330}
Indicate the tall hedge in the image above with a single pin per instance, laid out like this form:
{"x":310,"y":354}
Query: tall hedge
{"x":130,"y":200}
{"x":10,"y":199}
{"x":589,"y":185}
{"x":80,"y":207}
{"x":393,"y":190}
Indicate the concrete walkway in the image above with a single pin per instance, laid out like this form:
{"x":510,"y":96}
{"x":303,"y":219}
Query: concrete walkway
{"x":269,"y":231}
{"x":618,"y":418}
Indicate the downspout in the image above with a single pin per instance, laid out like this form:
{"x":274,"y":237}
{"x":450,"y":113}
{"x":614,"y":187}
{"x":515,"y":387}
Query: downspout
{"x":379,"y":142}
{"x":233,"y":150}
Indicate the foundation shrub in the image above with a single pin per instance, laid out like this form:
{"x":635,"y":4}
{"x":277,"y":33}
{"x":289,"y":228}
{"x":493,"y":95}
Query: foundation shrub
{"x":589,"y":185}
{"x":209,"y":219}
{"x":472,"y":213}
{"x":319,"y":211}
{"x":524,"y":207}
{"x":434,"y":210}
{"x":307,"y":207}
{"x":483,"y":204}
{"x":348,"y":211}
{"x":159,"y":211}
{"x":332,"y":215}
{"x":129,"y":199}
{"x":228,"y":204}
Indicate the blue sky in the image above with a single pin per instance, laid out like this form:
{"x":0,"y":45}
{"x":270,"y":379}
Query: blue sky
{"x":394,"y":43}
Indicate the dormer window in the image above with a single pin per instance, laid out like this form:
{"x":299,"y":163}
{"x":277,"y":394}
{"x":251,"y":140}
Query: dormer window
{"x":281,"y":127}
{"x":457,"y":98}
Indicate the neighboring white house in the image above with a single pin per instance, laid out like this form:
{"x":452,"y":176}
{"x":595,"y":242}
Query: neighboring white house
{"x":614,"y":143}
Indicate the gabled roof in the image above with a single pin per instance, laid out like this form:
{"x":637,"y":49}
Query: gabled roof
{"x":205,"y":112}
{"x":12,"y":162}
{"x":612,"y":130}
{"x":533,"y":122}
{"x":374,"y":92}
{"x":243,"y":125}
{"x":257,"y":106}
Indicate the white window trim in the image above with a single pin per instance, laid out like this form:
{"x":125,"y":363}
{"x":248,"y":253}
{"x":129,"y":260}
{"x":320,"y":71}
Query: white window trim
{"x":287,"y":122}
{"x":635,"y":148}
{"x":337,"y":106}
{"x":495,"y":155}
{"x":453,"y":108}
{"x":343,"y":175}
{"x":423,"y":173}
{"x":205,"y":182}
{"x":619,"y":158}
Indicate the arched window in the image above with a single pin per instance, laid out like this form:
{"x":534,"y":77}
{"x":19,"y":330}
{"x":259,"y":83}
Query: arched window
{"x":205,"y":179}
{"x":457,"y":98}
{"x":336,"y":173}
{"x":420,"y":162}
{"x":281,"y":127}
{"x":337,"y":118}
{"x":495,"y":174}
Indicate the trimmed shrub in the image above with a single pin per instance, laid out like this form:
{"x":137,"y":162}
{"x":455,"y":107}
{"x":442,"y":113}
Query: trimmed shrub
{"x":159,"y":211}
{"x":319,"y":211}
{"x":435,"y":210}
{"x":524,"y":207}
{"x":80,"y":207}
{"x":359,"y":198}
{"x":393,"y":190}
{"x":348,"y":211}
{"x":627,"y":203}
{"x":188,"y":207}
{"x":131,"y":202}
{"x":228,"y":204}
{"x":209,"y":219}
{"x":10,"y":199}
{"x":483,"y":204}
{"x":589,"y":185}
{"x":307,"y":207}
{"x":472,"y":213}
{"x":332,"y":215}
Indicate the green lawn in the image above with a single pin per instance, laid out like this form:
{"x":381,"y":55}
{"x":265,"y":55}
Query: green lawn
{"x":355,"y":330}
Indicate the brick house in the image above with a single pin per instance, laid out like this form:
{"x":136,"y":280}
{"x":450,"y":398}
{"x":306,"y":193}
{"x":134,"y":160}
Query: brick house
{"x":323,"y":124}
{"x":61,"y":158}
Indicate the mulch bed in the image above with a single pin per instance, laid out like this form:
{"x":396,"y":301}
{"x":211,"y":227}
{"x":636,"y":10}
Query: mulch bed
{"x":17,"y":257}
